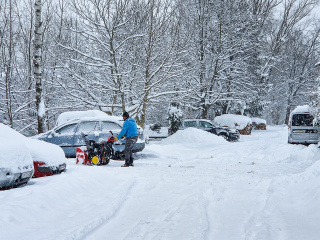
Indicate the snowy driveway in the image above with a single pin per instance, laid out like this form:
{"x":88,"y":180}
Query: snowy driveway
{"x":192,"y":185}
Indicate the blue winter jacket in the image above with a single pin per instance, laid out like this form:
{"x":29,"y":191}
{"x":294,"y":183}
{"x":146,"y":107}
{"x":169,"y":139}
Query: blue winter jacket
{"x":129,"y":129}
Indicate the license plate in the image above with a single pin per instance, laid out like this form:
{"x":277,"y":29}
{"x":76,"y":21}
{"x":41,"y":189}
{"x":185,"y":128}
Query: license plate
{"x":299,"y":131}
{"x":26,"y":174}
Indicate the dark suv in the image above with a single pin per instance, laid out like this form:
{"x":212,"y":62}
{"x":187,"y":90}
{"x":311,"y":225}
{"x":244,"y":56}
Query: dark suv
{"x":231,"y":135}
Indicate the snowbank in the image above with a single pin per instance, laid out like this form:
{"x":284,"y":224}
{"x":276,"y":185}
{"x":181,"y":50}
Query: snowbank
{"x":233,"y":121}
{"x":17,"y":146}
{"x":66,"y":116}
{"x":193,"y":135}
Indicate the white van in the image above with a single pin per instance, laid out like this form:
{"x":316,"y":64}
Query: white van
{"x":301,"y":126}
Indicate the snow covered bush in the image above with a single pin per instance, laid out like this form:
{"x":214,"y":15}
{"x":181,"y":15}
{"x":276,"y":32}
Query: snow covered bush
{"x":240,"y":122}
{"x":175,"y":117}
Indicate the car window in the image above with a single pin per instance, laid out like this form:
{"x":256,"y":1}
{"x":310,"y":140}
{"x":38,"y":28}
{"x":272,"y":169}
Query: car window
{"x":302,"y":120}
{"x":107,"y":126}
{"x":88,"y":126}
{"x":190,"y":124}
{"x":204,"y":124}
{"x":69,"y":129}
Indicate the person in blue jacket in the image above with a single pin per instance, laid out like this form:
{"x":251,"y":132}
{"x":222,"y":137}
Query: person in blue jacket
{"x":130,"y":131}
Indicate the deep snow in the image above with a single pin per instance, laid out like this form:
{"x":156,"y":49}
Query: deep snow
{"x":18,"y":150}
{"x":191,"y":185}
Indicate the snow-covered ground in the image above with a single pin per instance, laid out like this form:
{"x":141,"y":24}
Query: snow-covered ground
{"x":192,"y":185}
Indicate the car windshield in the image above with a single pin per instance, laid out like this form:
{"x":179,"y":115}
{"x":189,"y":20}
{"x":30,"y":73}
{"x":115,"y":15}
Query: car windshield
{"x":69,"y":129}
{"x":107,"y":126}
{"x":302,"y":120}
{"x":90,"y":126}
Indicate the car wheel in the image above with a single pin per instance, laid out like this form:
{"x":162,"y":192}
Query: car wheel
{"x":224,"y":136}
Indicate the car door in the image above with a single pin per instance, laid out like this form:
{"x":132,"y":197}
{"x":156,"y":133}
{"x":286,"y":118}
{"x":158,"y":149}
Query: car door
{"x":64,"y":137}
{"x":106,"y":127}
{"x":205,"y":125}
{"x":90,"y":128}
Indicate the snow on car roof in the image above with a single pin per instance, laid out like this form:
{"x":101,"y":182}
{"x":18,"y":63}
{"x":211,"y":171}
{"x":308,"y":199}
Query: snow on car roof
{"x":67,"y":116}
{"x":258,"y":120}
{"x":116,"y":119}
{"x":233,"y":121}
{"x":302,"y":109}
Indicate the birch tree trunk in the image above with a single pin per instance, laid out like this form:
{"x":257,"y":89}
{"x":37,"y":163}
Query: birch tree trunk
{"x":37,"y":66}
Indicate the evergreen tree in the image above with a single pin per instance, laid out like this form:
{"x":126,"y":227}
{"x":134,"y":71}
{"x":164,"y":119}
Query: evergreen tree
{"x":175,"y":117}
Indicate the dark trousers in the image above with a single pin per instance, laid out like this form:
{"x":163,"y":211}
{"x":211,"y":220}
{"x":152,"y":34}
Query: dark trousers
{"x":130,"y":141}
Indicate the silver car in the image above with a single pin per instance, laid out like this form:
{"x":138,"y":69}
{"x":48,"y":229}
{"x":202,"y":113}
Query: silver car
{"x":15,"y":169}
{"x":301,"y":128}
{"x":69,"y":135}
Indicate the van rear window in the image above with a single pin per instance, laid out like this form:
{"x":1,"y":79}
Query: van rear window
{"x":302,"y":120}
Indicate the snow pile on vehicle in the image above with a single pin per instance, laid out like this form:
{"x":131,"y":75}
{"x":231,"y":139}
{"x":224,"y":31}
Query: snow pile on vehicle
{"x":49,"y":153}
{"x":258,"y":120}
{"x":233,"y":121}
{"x":193,"y":135}
{"x":14,"y":152}
{"x":15,"y":145}
{"x":302,"y":109}
{"x":66,"y":116}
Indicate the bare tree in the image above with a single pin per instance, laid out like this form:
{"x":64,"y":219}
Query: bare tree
{"x":37,"y":66}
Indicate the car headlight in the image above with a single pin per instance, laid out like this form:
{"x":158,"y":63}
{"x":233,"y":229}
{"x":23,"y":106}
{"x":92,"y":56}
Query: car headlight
{"x":5,"y":173}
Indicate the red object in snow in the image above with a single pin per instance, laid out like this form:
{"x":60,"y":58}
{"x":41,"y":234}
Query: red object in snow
{"x":82,"y":156}
{"x":41,"y":169}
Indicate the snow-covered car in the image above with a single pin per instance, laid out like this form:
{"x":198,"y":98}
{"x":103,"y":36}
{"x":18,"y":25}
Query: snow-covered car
{"x":242,"y":123}
{"x":69,"y":135}
{"x":229,"y":134}
{"x":301,"y":127}
{"x":48,"y":159}
{"x":16,"y":166}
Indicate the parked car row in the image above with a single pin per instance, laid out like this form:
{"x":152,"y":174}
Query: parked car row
{"x":45,"y":154}
{"x":69,"y":135}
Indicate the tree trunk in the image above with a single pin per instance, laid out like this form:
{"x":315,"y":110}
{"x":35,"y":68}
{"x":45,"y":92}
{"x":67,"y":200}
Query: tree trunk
{"x":37,"y":66}
{"x":9,"y":71}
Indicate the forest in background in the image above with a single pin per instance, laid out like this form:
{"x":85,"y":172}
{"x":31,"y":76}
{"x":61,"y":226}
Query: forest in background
{"x":258,"y":58}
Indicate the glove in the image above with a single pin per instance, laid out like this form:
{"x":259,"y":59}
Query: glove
{"x":116,"y":139}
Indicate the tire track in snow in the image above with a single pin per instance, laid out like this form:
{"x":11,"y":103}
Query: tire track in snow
{"x":184,"y":218}
{"x":89,"y":228}
{"x":261,"y":224}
